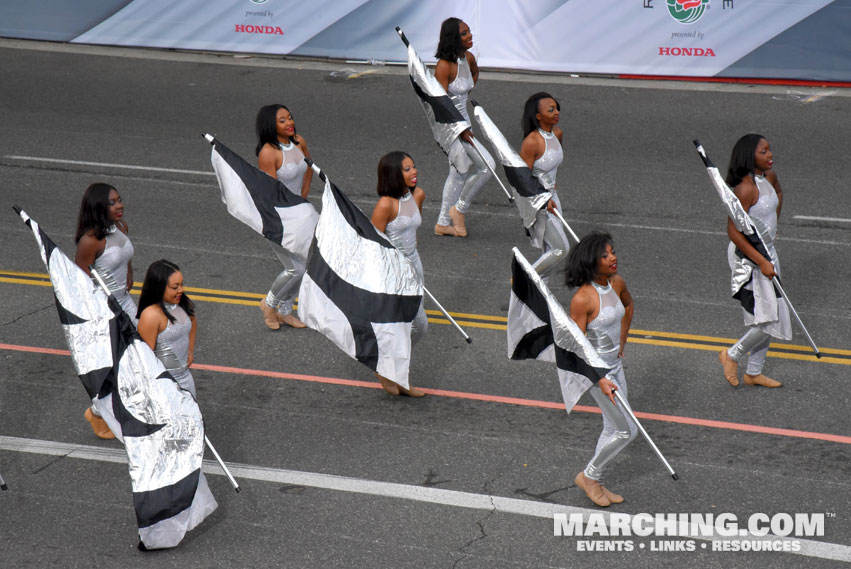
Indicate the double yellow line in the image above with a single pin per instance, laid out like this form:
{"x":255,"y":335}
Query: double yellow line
{"x":650,"y":337}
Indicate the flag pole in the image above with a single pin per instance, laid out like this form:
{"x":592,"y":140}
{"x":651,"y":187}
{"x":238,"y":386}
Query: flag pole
{"x":708,"y":163}
{"x":810,"y":341}
{"x":566,"y":226}
{"x":445,"y":313}
{"x":232,"y":480}
{"x":474,"y":144}
{"x":625,"y":406}
{"x":218,"y":458}
{"x":3,"y":484}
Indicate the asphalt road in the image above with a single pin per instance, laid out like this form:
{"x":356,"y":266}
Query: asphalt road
{"x":409,"y":472}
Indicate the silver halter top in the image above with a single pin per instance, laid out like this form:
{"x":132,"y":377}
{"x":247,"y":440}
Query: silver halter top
{"x":604,"y":332}
{"x":402,"y":231}
{"x":293,"y":167}
{"x":546,"y":167}
{"x":112,"y":263}
{"x":173,"y":342}
{"x":461,"y":86}
{"x":764,"y":211}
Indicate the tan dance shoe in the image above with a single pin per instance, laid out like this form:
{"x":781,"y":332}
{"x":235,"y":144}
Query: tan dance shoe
{"x":412,"y":392}
{"x":290,"y":320}
{"x":388,"y":385}
{"x":458,"y":221}
{"x":445,"y":230}
{"x":731,"y":367}
{"x":761,"y":380}
{"x":99,"y":426}
{"x":592,"y":489}
{"x":270,"y":318}
{"x":613,"y":498}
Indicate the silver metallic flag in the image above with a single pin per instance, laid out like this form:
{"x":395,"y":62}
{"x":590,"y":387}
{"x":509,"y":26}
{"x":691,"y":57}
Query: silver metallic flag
{"x":530,"y":192}
{"x":539,"y":328}
{"x":359,"y":290}
{"x":263,"y":203}
{"x":159,"y":423}
{"x":445,"y":120}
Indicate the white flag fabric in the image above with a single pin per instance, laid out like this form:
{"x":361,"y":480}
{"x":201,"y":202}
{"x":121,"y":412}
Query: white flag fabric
{"x":540,"y":329}
{"x":263,"y":203}
{"x":359,"y":290}
{"x":159,"y":423}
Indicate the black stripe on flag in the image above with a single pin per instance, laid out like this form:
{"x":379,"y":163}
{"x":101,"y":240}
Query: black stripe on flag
{"x":356,"y":219}
{"x":570,"y":362}
{"x":441,"y":105}
{"x":266,"y":192}
{"x":521,"y":179}
{"x":163,"y":503}
{"x":361,"y":307}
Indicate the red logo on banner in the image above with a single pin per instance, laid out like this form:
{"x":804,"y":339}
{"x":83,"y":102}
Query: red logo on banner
{"x":687,"y":51}
{"x":249,"y":29}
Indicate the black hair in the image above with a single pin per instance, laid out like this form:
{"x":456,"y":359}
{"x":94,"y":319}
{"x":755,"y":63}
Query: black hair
{"x":94,"y":211}
{"x":529,"y":122}
{"x":391,"y":182}
{"x":153,"y":289}
{"x":265,"y":126}
{"x":742,"y":159}
{"x":583,"y":258}
{"x":450,"y":47}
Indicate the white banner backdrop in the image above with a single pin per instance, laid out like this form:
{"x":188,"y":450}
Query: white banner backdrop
{"x":636,"y":37}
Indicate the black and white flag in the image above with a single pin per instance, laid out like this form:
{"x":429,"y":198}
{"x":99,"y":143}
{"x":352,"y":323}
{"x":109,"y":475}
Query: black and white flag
{"x":263,"y":203}
{"x":359,"y":290}
{"x":158,"y":422}
{"x":540,"y":329}
{"x":445,"y":120}
{"x":532,"y":193}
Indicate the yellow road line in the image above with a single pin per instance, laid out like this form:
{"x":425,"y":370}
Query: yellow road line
{"x":489,"y":322}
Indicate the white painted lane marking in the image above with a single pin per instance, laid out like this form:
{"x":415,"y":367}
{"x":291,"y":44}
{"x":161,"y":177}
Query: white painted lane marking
{"x":809,"y":548}
{"x":107,"y":165}
{"x":817,"y":218}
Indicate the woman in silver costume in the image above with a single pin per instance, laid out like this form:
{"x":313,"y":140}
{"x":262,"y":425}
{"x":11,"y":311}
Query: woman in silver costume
{"x":397,"y":214}
{"x":167,"y":321}
{"x":458,"y":72}
{"x":751,"y":176}
{"x":602,"y":308}
{"x":281,"y":153}
{"x":542,"y":152}
{"x":102,"y":243}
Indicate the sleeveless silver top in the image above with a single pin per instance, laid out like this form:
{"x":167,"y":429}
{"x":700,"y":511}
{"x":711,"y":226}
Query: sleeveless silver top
{"x":173,"y":342}
{"x":546,"y":167}
{"x":112,"y":263}
{"x":293,"y":167}
{"x":604,"y":332}
{"x":764,"y":211}
{"x":402,"y":231}
{"x":461,"y":86}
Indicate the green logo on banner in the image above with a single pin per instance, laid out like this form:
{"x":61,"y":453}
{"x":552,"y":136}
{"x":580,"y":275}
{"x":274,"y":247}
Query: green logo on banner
{"x":687,"y":11}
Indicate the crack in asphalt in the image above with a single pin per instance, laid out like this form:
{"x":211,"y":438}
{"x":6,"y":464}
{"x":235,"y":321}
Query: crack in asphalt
{"x":22,"y":316}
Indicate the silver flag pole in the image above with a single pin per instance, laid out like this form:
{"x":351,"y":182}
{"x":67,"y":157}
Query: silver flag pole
{"x":218,"y":458}
{"x":3,"y":484}
{"x":625,"y":406}
{"x":810,"y":341}
{"x":474,"y":144}
{"x":566,"y":226}
{"x":232,"y":480}
{"x":445,"y":313}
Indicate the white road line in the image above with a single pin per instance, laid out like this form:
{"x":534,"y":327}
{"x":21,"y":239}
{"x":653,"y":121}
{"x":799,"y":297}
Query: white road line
{"x":809,"y":548}
{"x":107,"y":165}
{"x":816,"y":218}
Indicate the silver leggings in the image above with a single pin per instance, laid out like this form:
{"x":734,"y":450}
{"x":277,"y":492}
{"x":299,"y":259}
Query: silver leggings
{"x":756,"y":342}
{"x":283,"y":291}
{"x":618,"y":429}
{"x":464,"y":181}
{"x":555,"y":246}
